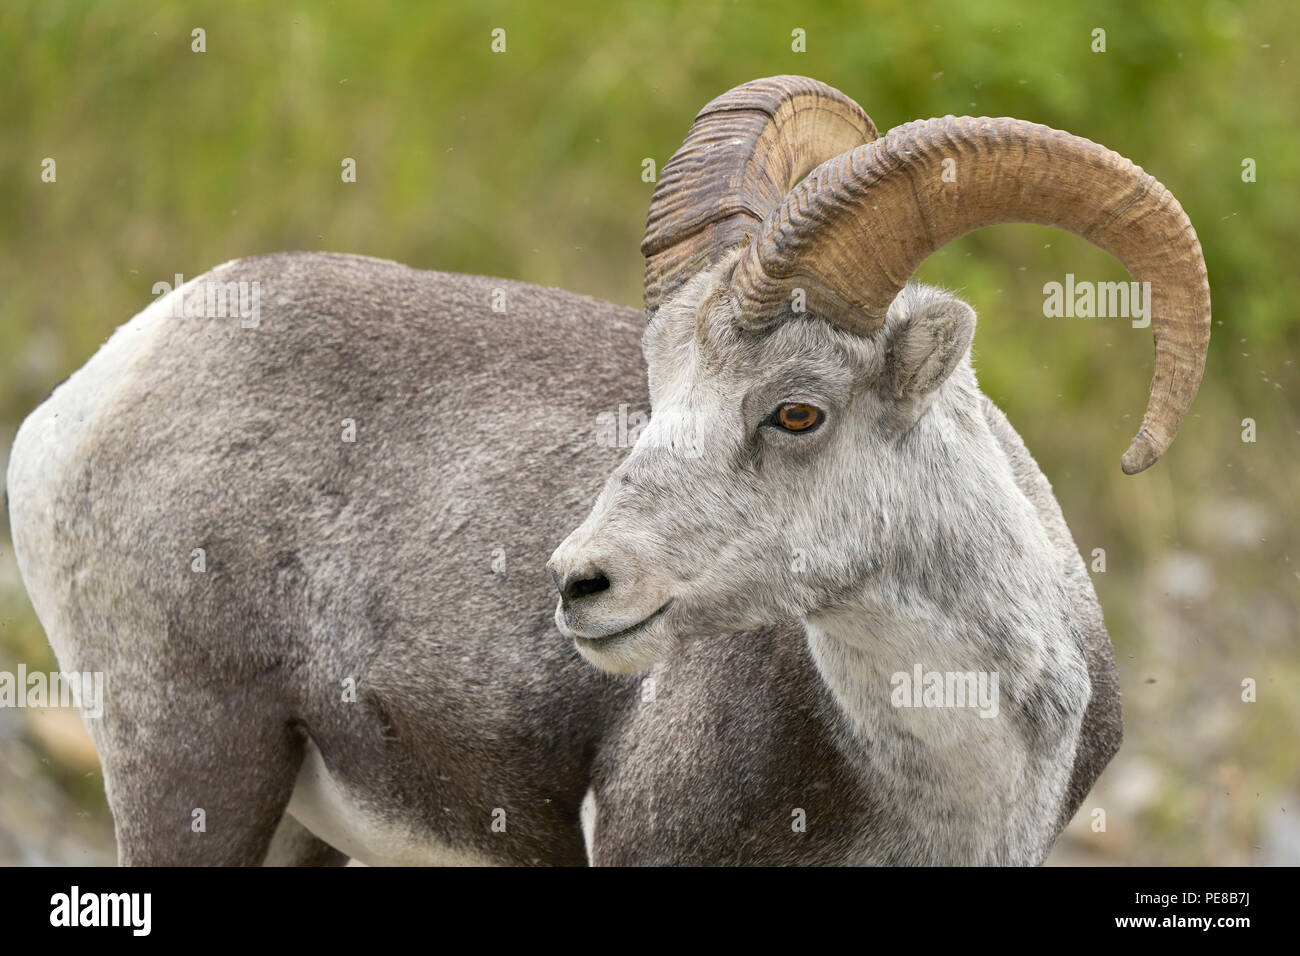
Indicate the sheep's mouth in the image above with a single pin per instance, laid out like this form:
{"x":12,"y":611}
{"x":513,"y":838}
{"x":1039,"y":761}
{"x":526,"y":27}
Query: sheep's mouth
{"x":627,"y":632}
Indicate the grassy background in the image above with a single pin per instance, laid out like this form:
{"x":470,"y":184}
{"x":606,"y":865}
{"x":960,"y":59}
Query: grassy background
{"x":527,"y":164}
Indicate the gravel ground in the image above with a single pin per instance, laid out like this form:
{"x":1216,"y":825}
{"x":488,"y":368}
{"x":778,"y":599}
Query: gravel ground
{"x":40,"y":823}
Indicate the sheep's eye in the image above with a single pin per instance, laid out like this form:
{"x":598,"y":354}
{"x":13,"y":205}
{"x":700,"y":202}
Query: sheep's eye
{"x":794,"y":417}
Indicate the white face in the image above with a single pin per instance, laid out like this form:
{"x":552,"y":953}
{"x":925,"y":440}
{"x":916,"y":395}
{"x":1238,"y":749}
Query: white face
{"x":750,"y":497}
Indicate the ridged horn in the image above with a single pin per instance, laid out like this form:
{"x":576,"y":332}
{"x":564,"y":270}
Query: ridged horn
{"x":743,"y":153}
{"x":856,"y":229}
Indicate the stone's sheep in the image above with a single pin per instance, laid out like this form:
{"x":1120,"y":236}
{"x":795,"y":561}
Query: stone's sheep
{"x":307,"y":551}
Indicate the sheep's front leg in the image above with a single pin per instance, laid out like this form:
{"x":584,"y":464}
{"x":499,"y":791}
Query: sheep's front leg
{"x":195,"y":776}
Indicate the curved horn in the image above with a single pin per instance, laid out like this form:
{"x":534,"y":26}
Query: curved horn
{"x":857,"y":228}
{"x":744,"y":152}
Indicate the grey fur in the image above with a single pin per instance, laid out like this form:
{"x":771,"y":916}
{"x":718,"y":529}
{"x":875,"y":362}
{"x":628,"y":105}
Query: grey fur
{"x":373,"y":561}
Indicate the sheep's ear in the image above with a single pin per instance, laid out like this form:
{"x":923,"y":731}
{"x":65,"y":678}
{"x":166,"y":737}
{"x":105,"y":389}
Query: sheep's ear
{"x":928,"y":337}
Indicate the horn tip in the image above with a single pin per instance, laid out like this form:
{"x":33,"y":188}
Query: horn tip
{"x":1141,"y":455}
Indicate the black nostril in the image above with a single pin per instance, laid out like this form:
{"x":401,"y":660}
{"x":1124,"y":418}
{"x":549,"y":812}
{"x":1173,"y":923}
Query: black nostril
{"x":581,"y":587}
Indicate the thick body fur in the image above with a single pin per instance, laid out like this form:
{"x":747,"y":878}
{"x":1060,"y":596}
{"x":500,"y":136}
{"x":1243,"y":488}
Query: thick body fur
{"x":409,"y":565}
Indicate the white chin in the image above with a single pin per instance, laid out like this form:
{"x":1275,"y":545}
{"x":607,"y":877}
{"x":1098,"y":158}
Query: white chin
{"x":634,"y":654}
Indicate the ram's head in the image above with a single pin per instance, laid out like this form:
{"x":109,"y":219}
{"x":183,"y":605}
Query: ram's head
{"x":806,"y":399}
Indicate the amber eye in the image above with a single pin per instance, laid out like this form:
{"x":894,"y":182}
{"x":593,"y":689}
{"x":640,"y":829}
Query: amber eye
{"x":795,"y":417}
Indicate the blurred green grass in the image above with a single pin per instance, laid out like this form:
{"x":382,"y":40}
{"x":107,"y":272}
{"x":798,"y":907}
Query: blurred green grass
{"x":527,"y":164}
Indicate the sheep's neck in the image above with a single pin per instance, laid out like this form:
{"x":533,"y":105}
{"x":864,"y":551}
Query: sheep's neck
{"x":879,"y":661}
{"x":935,"y":693}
